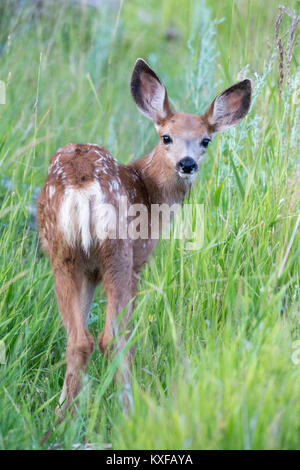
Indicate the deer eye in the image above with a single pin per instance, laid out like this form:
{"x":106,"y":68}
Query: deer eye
{"x":167,"y":139}
{"x":205,"y":142}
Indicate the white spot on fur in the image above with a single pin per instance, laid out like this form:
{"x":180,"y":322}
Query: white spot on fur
{"x":84,"y":215}
{"x":51,"y":190}
{"x":113,"y":185}
{"x":98,"y":153}
{"x":54,"y":164}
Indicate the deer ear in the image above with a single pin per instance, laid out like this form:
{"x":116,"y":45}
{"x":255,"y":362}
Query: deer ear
{"x":149,"y":93}
{"x":229,"y":108}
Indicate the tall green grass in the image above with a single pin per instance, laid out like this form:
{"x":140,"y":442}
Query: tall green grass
{"x":215,"y":328}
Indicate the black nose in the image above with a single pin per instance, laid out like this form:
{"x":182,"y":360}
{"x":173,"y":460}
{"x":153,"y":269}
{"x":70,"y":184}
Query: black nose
{"x":187,"y":165}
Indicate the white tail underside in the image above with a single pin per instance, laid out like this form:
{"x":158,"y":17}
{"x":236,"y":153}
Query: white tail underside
{"x":84,"y":214}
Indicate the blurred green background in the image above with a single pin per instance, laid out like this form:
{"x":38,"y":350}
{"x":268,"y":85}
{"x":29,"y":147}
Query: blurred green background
{"x":216,"y":330}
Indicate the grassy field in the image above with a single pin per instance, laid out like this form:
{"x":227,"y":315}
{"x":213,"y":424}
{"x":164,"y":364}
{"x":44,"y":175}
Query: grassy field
{"x":217,"y":363}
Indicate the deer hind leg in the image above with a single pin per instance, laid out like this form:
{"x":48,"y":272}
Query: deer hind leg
{"x":74,"y":293}
{"x":117,"y":280}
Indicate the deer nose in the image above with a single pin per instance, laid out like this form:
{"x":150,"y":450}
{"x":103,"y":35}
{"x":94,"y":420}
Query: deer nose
{"x":187,"y":165}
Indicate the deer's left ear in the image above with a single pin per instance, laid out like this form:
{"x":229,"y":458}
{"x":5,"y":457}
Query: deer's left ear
{"x":229,"y":108}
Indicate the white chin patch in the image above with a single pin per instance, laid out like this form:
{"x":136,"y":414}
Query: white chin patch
{"x":187,"y":176}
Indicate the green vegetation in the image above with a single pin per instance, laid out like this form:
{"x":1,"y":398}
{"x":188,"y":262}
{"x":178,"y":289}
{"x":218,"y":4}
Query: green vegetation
{"x":216,"y":328}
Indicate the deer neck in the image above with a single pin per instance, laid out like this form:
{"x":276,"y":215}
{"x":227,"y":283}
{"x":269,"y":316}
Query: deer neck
{"x":162,"y":183}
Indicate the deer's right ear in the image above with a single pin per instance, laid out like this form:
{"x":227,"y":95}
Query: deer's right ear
{"x":149,"y":93}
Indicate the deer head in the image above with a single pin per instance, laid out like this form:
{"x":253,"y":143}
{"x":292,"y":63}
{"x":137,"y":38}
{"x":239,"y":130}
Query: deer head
{"x":184,"y":138}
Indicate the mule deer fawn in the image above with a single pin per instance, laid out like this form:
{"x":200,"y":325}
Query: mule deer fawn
{"x":76,"y":225}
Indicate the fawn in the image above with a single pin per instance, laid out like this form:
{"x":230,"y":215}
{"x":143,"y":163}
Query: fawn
{"x":76,"y":225}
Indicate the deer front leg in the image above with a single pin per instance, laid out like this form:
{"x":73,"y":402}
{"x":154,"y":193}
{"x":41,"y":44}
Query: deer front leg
{"x":74,"y":293}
